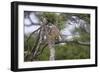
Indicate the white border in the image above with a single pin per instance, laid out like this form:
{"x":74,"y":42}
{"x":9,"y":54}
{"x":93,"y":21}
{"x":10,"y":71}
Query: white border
{"x":22,"y":64}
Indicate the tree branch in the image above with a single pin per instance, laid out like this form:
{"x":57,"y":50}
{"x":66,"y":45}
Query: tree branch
{"x":75,"y":41}
{"x":42,"y":49}
{"x":83,"y":43}
{"x":31,"y":24}
{"x":32,"y":33}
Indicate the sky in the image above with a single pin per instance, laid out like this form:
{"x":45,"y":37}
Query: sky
{"x":28,"y":22}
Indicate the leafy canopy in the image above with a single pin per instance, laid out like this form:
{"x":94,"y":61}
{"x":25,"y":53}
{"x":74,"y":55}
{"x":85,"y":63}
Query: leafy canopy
{"x":55,"y":19}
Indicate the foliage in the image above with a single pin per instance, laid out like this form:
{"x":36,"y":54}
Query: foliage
{"x":72,"y":51}
{"x":55,"y":18}
{"x":67,"y":51}
{"x":85,"y":17}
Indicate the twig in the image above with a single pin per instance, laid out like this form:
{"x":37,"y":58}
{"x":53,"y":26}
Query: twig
{"x":32,"y":34}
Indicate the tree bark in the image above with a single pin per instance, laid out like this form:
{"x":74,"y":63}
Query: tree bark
{"x":50,"y":44}
{"x":52,"y":52}
{"x":77,"y":42}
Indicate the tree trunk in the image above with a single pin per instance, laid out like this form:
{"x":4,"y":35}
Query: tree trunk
{"x":50,"y":44}
{"x":52,"y":52}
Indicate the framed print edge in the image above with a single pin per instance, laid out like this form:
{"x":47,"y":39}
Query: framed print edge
{"x":96,"y":38}
{"x":15,"y":39}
